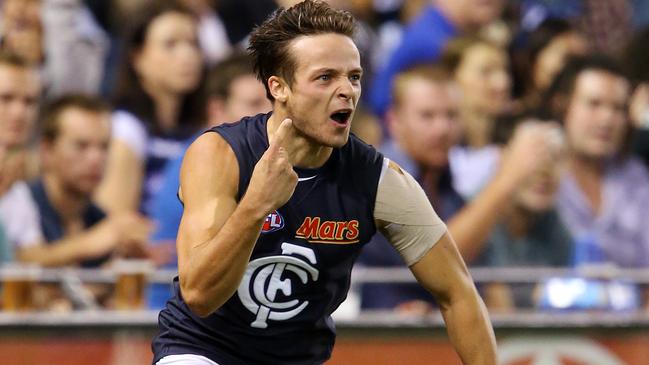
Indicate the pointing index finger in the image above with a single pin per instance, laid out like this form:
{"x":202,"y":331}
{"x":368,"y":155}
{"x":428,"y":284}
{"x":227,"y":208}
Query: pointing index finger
{"x":279,"y":138}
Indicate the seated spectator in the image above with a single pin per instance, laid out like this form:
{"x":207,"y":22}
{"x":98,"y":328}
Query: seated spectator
{"x":529,"y":232}
{"x":22,"y":30}
{"x":159,"y":101}
{"x":481,"y":71}
{"x":233,"y":92}
{"x":425,"y":37}
{"x":75,"y":138}
{"x":604,"y":191}
{"x":19,"y":95}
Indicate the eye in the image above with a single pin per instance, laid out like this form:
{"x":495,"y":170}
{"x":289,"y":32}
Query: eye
{"x":355,"y":78}
{"x":325,"y":77}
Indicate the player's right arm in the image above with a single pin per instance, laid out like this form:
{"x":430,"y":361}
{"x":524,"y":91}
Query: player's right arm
{"x":216,"y":234}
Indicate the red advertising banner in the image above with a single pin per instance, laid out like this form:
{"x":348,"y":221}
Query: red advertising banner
{"x":516,"y":349}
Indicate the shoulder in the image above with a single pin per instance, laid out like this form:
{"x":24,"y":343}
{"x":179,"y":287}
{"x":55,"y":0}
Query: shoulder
{"x":633,"y":169}
{"x":362,"y":155}
{"x":18,"y":192}
{"x":209,"y":160}
{"x":128,"y":129}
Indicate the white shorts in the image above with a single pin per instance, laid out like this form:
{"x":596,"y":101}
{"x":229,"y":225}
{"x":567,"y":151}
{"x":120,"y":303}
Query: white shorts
{"x":185,"y":360}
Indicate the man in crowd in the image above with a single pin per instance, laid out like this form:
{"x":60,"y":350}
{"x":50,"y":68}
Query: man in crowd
{"x":75,"y":137}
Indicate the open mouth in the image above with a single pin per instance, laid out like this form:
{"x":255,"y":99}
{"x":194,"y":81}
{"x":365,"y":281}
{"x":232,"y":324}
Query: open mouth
{"x":341,"y":116}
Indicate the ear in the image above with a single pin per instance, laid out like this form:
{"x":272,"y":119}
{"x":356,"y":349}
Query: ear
{"x":279,"y":88}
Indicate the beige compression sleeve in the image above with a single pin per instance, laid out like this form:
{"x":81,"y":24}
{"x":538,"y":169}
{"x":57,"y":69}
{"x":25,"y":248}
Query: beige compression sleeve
{"x":404,"y":214}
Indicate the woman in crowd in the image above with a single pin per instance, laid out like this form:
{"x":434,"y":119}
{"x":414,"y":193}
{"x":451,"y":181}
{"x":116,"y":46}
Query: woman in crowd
{"x":159,"y":103}
{"x":481,"y":71}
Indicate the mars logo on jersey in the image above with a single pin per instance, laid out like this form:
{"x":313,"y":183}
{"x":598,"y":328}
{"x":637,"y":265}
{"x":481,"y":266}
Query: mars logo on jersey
{"x":337,"y":232}
{"x":274,"y":222}
{"x":268,"y":275}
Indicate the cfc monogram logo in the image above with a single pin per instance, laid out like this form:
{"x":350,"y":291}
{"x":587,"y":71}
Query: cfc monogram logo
{"x":264,"y":278}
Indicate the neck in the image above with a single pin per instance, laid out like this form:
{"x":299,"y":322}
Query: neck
{"x":477,"y":128}
{"x":585,"y":166}
{"x":167,"y":107}
{"x":66,"y":202}
{"x":304,"y":152}
{"x":519,"y":221}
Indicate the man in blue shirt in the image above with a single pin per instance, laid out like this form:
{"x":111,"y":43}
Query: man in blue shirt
{"x":424,"y":39}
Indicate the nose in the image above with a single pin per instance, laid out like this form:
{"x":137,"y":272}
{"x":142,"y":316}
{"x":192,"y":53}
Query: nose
{"x":346,"y":89}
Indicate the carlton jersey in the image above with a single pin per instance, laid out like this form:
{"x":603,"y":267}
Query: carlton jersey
{"x":299,"y":270}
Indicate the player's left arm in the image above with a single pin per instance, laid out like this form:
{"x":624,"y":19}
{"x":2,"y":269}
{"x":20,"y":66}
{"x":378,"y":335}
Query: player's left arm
{"x":442,"y":272}
{"x":408,"y":221}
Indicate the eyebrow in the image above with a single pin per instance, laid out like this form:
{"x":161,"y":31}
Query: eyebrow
{"x":334,"y":71}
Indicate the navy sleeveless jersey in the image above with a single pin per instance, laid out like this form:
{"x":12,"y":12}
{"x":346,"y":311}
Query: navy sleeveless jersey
{"x":299,"y":270}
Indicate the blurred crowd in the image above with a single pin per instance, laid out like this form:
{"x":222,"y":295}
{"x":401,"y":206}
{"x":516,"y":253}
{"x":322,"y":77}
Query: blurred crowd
{"x":525,"y":121}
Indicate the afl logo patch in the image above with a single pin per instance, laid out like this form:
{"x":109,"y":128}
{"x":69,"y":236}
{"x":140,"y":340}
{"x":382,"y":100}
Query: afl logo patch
{"x":274,"y":222}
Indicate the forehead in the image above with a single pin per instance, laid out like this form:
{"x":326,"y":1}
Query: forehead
{"x":18,"y":78}
{"x":78,"y":122}
{"x":602,"y":82}
{"x":324,"y":51}
{"x":170,"y":22}
{"x":483,"y":52}
{"x":431,"y":92}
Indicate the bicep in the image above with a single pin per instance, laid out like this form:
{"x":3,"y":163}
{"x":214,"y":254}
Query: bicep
{"x":442,"y":271}
{"x":209,"y":181}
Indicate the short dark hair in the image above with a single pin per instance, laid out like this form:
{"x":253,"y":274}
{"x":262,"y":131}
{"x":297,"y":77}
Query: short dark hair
{"x":563,"y":85}
{"x":269,"y":42}
{"x":51,"y":113}
{"x":221,"y":76}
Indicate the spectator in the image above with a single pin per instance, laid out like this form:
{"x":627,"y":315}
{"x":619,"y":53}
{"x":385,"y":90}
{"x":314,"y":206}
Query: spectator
{"x":159,"y":104}
{"x":233,"y":92}
{"x":22,"y":30}
{"x":75,"y":138}
{"x":481,"y":70}
{"x":529,"y":232}
{"x":424,"y":39}
{"x":604,"y":192}
{"x":76,"y":48}
{"x":19,"y":95}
